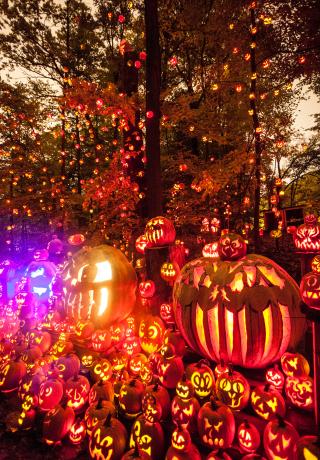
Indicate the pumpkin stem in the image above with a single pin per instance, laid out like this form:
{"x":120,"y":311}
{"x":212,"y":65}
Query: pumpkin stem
{"x":132,"y":383}
{"x":75,"y":377}
{"x":156,"y":386}
{"x":213,"y":402}
{"x":99,"y":404}
{"x":107,"y":421}
{"x":281,"y":421}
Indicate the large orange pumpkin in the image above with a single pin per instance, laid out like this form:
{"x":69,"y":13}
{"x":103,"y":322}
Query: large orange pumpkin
{"x":244,"y":311}
{"x":99,"y":285}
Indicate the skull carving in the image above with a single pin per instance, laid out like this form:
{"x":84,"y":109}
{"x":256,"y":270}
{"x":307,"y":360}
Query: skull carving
{"x":160,"y":232}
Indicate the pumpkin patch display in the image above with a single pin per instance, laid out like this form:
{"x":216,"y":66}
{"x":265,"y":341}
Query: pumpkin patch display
{"x":159,"y":231}
{"x":233,"y":389}
{"x":275,"y":377}
{"x":294,"y":364}
{"x":151,"y":332}
{"x":108,"y":441}
{"x":100,"y":285}
{"x":267,"y":402}
{"x":248,"y":437}
{"x":300,"y":392}
{"x":57,"y":423}
{"x":280,"y":440}
{"x":201,"y":377}
{"x":148,"y":436}
{"x":242,"y":309}
{"x":216,"y":425}
{"x":181,"y":446}
{"x":77,"y":391}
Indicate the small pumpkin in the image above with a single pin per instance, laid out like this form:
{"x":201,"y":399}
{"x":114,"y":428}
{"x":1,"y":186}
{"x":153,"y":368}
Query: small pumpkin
{"x":248,"y":437}
{"x":50,"y":394}
{"x":130,"y":398}
{"x":201,"y":377}
{"x":11,"y":374}
{"x":233,"y":389}
{"x":169,"y":272}
{"x":147,"y":289}
{"x":57,"y":423}
{"x":275,"y":377}
{"x":294,"y":364}
{"x":161,"y":396}
{"x":151,"y":332}
{"x":78,"y":431}
{"x":101,"y":340}
{"x":300,"y":391}
{"x":280,"y":440}
{"x":77,"y":391}
{"x":148,"y":436}
{"x":108,"y":441}
{"x":97,"y":413}
{"x":101,"y":369}
{"x":136,"y":362}
{"x":181,"y":446}
{"x":267,"y":402}
{"x":170,"y":367}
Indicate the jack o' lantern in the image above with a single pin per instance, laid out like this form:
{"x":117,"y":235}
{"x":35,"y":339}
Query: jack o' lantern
{"x":117,"y":332}
{"x":275,"y":377}
{"x":108,"y":441}
{"x":307,"y":236}
{"x":233,"y":389}
{"x":87,"y":359}
{"x":159,"y":231}
{"x":50,"y":394}
{"x":280,"y":439}
{"x":300,"y":391}
{"x":97,"y":413}
{"x":294,"y":364}
{"x":244,"y":311}
{"x":248,"y":437}
{"x":308,"y":448}
{"x":130,"y":398}
{"x":169,"y":271}
{"x":101,"y":390}
{"x":267,"y":402}
{"x":101,"y":340}
{"x":100,"y":285}
{"x":131,"y":345}
{"x":170,"y":367}
{"x":210,"y":250}
{"x":184,"y":406}
{"x":147,"y":289}
{"x":176,"y":340}
{"x":148,"y":436}
{"x":57,"y":423}
{"x":216,"y":425}
{"x":101,"y":369}
{"x":151,"y":332}
{"x":166,"y":313}
{"x":201,"y":377}
{"x":231,"y":247}
{"x":68,"y":366}
{"x":141,"y":243}
{"x":40,"y":339}
{"x":11,"y":374}
{"x":136,"y":362}
{"x":181,"y":446}
{"x":310,"y":285}
{"x":77,"y":391}
{"x":84,"y":329}
{"x":30,"y":384}
{"x":119,"y":360}
{"x":77,"y":431}
{"x":221,"y":368}
{"x":161,"y":396}
{"x":146,"y":373}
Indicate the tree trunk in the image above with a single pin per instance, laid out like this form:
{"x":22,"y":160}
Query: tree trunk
{"x":153,"y":80}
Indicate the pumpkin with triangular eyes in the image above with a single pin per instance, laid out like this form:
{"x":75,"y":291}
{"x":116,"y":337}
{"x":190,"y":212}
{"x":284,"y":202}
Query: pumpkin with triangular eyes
{"x":294,"y":364}
{"x":248,"y":436}
{"x":108,"y":440}
{"x":148,"y":436}
{"x":181,"y":446}
{"x":275,"y":377}
{"x":280,"y":440}
{"x":267,"y":402}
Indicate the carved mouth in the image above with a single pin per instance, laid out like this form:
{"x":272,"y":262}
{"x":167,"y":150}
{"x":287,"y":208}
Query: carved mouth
{"x":217,"y":442}
{"x":311,"y":294}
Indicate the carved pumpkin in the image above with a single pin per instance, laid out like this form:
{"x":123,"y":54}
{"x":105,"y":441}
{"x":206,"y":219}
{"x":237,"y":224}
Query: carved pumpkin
{"x":310,"y":286}
{"x":231,"y":247}
{"x":147,"y":289}
{"x":84,"y":329}
{"x":117,"y":332}
{"x":148,"y":436}
{"x":136,"y":362}
{"x":68,"y":366}
{"x":294,"y":364}
{"x":267,"y":402}
{"x":201,"y":377}
{"x":57,"y":423}
{"x":279,"y":440}
{"x":170,"y":367}
{"x":87,"y":359}
{"x":118,"y":360}
{"x":275,"y":377}
{"x":181,"y":446}
{"x":169,"y":271}
{"x":161,"y":396}
{"x":41,"y":339}
{"x":108,"y":441}
{"x":151,"y":332}
{"x":77,"y":391}
{"x":141,"y":243}
{"x":307,"y":236}
{"x":50,"y":394}
{"x":97,"y":413}
{"x":220,"y":369}
{"x":77,"y":431}
{"x":166,"y":313}
{"x":159,"y":231}
{"x":30,"y":384}
{"x":210,"y":250}
{"x":100,"y":285}
{"x":175,"y":338}
{"x":216,"y":425}
{"x":308,"y":448}
{"x":101,"y":340}
{"x":101,"y":370}
{"x":131,"y":345}
{"x":233,"y":389}
{"x":146,"y":373}
{"x":248,"y":437}
{"x":243,"y":311}
{"x":130,"y":398}
{"x":184,"y":406}
{"x":300,"y":391}
{"x":11,"y":374}
{"x":101,"y":390}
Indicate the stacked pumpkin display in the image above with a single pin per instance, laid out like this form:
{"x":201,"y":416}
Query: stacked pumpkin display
{"x":119,"y":391}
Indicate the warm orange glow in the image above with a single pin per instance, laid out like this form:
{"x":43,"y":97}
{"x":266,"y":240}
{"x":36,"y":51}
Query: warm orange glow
{"x":200,"y":329}
{"x":214,"y":329}
{"x":243,"y":335}
{"x":229,"y":332}
{"x":268,"y":324}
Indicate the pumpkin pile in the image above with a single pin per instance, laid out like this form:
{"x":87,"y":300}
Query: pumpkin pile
{"x":128,"y":386}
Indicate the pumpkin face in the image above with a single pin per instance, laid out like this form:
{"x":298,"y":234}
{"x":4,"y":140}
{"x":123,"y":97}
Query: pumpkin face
{"x":169,"y":271}
{"x":166,"y":313}
{"x":246,"y":311}
{"x":68,"y":366}
{"x":181,"y":440}
{"x":77,"y":431}
{"x":141,"y":243}
{"x":108,"y":441}
{"x":117,"y":332}
{"x":232,"y":247}
{"x":248,"y":437}
{"x":146,"y":373}
{"x":233,"y":390}
{"x":40,"y":339}
{"x":216,"y":425}
{"x":148,"y":437}
{"x":300,"y":391}
{"x":170,"y":367}
{"x":101,"y":340}
{"x":101,"y":370}
{"x":310,"y":289}
{"x":175,"y":339}
{"x":267,"y":402}
{"x":201,"y":377}
{"x":147,"y":289}
{"x":77,"y":390}
{"x":210,"y":250}
{"x":136,"y":362}
{"x":101,"y":390}
{"x":100,"y":285}
{"x":50,"y":394}
{"x":157,"y":395}
{"x":184,"y":389}
{"x":11,"y":373}
{"x":275,"y":377}
{"x":280,"y":439}
{"x":84,"y":329}
{"x":307,"y":235}
{"x":184,"y":411}
{"x":294,"y":364}
{"x":118,"y":360}
{"x":151,"y":332}
{"x":57,"y":423}
{"x":131,"y":345}
{"x":87,"y":360}
{"x":159,"y":231}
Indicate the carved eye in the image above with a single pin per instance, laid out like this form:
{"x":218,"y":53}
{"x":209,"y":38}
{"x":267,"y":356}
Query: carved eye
{"x":207,"y":424}
{"x":48,"y":391}
{"x":145,"y":439}
{"x":97,"y":369}
{"x":225,"y":385}
{"x":238,"y":387}
{"x":152,"y":332}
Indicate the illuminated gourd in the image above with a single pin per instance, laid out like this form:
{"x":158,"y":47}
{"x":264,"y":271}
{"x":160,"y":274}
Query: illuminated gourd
{"x":148,"y":436}
{"x":151,"y":332}
{"x":175,"y":338}
{"x":233,"y":389}
{"x":101,"y":390}
{"x":166,"y":313}
{"x":100,"y":285}
{"x":30,"y":384}
{"x":101,"y":340}
{"x":280,"y":439}
{"x":159,"y":231}
{"x":147,"y":289}
{"x":184,"y":406}
{"x":169,"y":272}
{"x":130,"y":398}
{"x":108,"y":441}
{"x":181,"y":446}
{"x":245,"y":311}
{"x":308,"y":448}
{"x":201,"y":377}
{"x":68,"y":366}
{"x":300,"y":391}
{"x":50,"y":394}
{"x":77,"y":431}
{"x":97,"y":413}
{"x":170,"y":367}
{"x":146,"y":373}
{"x":216,"y":425}
{"x":307,"y":236}
{"x":119,"y":360}
{"x":136,"y":362}
{"x":275,"y":377}
{"x":11,"y":374}
{"x":310,"y":285}
{"x":294,"y":364}
{"x":267,"y":402}
{"x":117,"y":332}
{"x":77,"y":391}
{"x":131,"y":345}
{"x":141,"y":243}
{"x":57,"y":423}
{"x":84,"y":329}
{"x":41,"y":339}
{"x":248,"y":436}
{"x":221,"y":368}
{"x":101,"y":369}
{"x":210,"y":250}
{"x":87,"y":359}
{"x":161,"y":397}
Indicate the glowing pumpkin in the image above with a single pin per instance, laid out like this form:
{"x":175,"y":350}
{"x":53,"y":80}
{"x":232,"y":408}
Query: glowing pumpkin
{"x":280,"y":439}
{"x":169,"y":271}
{"x":77,"y":431}
{"x":166,"y":313}
{"x":97,"y":413}
{"x":101,"y":340}
{"x":147,"y":289}
{"x":170,"y":367}
{"x":310,"y":286}
{"x":148,"y":436}
{"x":307,"y":236}
{"x":210,"y":250}
{"x":50,"y":394}
{"x":300,"y":391}
{"x":275,"y":377}
{"x":11,"y":374}
{"x":184,"y":406}
{"x":267,"y":402}
{"x":84,"y":329}
{"x":233,"y":389}
{"x":201,"y":377}
{"x":308,"y":448}
{"x":57,"y":423}
{"x":141,"y":244}
{"x":100,"y":285}
{"x":101,"y":390}
{"x":130,"y":398}
{"x":161,"y":396}
{"x":294,"y":364}
{"x":136,"y":362}
{"x":77,"y":391}
{"x":244,"y":311}
{"x":159,"y":231}
{"x":248,"y":437}
{"x":108,"y":441}
{"x":151,"y":332}
{"x":181,"y":446}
